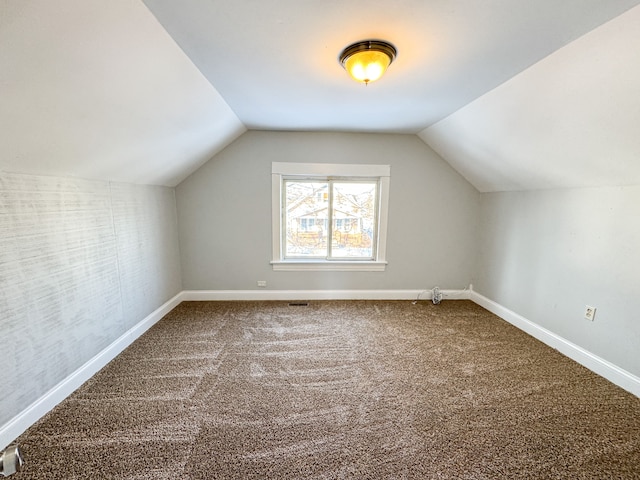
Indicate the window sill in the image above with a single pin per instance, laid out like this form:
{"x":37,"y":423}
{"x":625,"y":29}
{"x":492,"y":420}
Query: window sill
{"x":323,"y":265}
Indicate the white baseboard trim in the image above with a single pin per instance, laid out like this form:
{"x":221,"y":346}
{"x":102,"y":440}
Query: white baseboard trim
{"x":602,"y":367}
{"x":21,"y":422}
{"x":231,"y":295}
{"x":18,"y":424}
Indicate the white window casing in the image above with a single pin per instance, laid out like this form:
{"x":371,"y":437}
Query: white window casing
{"x":282,"y":170}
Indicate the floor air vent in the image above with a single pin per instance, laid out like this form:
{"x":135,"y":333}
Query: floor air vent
{"x":299,"y":304}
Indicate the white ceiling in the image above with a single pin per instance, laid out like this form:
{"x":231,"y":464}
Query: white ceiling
{"x":98,"y":89}
{"x":119,"y":91}
{"x":571,"y":120}
{"x":275,"y":62}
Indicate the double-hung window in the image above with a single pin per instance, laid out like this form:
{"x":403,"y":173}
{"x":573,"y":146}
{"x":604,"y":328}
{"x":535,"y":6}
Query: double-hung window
{"x":329,"y":216}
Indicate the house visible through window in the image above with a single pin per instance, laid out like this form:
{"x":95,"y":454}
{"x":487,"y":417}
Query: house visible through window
{"x":329,"y":216}
{"x":330,"y":219}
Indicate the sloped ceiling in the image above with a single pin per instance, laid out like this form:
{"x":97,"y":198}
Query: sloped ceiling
{"x":147,"y":92}
{"x":571,"y":120}
{"x":276,"y":63}
{"x":98,"y":89}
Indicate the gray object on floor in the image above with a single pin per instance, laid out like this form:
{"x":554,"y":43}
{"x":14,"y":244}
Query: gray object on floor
{"x":11,"y":461}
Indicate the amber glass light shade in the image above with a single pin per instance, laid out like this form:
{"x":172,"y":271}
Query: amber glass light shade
{"x":368,"y":60}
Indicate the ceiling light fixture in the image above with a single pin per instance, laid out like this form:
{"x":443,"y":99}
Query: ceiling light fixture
{"x":367,"y":61}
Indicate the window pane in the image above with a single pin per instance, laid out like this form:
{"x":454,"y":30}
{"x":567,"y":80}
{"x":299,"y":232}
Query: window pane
{"x":354,"y":219}
{"x":306,"y":215}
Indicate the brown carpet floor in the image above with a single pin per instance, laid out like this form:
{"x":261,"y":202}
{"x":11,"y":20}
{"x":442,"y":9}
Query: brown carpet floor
{"x":337,"y":389}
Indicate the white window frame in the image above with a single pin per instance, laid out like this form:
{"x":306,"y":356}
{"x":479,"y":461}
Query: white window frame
{"x":280,"y":170}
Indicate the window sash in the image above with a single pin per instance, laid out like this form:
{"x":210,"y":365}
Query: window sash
{"x":328,"y":170}
{"x":329,"y":223}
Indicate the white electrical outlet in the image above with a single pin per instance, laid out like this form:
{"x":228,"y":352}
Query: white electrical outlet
{"x":262,"y":283}
{"x":589,"y":312}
